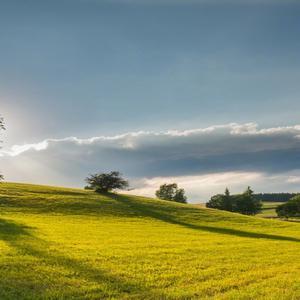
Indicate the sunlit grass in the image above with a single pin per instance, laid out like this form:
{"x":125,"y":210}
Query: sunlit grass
{"x":60,"y":243}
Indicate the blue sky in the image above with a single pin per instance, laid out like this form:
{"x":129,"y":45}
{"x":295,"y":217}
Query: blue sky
{"x":89,"y":68}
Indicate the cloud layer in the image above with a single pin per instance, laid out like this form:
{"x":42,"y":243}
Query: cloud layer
{"x":214,"y":157}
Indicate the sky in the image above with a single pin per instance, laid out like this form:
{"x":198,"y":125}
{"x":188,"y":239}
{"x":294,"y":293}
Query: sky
{"x":202,"y":93}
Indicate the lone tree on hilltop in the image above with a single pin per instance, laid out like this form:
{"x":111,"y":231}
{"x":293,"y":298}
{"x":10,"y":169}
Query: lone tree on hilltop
{"x":106,"y":182}
{"x":171,"y":192}
{"x":1,"y":128}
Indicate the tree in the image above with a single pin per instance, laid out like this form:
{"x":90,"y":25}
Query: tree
{"x":171,"y":192}
{"x":220,"y":201}
{"x":216,"y":201}
{"x":247,"y":204}
{"x":289,"y":209}
{"x":106,"y":182}
{"x":180,"y":196}
{"x":1,"y":128}
{"x":227,"y":200}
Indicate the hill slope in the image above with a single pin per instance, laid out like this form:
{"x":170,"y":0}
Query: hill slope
{"x":60,"y":243}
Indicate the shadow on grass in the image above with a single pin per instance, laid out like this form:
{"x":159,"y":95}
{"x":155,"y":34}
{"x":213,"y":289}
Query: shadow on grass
{"x":88,"y":203}
{"x":146,"y":211}
{"x":126,"y":206}
{"x":59,"y":193}
{"x":10,"y":231}
{"x":292,"y":220}
{"x":19,"y":237}
{"x":83,"y":204}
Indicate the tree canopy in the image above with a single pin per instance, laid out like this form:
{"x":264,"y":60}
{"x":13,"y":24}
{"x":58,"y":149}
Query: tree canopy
{"x":106,"y":182}
{"x":290,"y":208}
{"x":171,"y":192}
{"x":244,"y":203}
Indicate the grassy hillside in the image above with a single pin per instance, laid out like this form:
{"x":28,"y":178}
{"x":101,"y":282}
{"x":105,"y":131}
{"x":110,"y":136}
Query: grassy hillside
{"x":60,"y":243}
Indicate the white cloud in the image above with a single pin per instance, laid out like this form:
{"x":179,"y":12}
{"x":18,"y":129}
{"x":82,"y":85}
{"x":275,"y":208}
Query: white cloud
{"x":19,"y":149}
{"x":293,"y":179}
{"x":200,"y":187}
{"x":135,"y":139}
{"x":203,"y":160}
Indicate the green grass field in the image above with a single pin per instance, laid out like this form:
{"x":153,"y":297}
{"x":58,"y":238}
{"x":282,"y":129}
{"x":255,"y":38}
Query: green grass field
{"x":59,"y":243}
{"x":269,"y":209}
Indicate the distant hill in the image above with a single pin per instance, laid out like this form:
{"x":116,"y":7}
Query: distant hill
{"x":59,"y":243}
{"x":275,"y":197}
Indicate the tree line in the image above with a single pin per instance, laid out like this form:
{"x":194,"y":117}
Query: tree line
{"x":245,"y":203}
{"x":275,"y":197}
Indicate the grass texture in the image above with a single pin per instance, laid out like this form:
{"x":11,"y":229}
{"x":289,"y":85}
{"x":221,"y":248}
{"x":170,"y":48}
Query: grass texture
{"x":58,"y":243}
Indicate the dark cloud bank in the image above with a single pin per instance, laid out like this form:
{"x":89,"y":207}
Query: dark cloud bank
{"x":217,"y":149}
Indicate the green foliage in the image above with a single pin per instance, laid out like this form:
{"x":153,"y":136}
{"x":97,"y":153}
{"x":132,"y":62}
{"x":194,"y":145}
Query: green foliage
{"x":244,"y":203}
{"x":106,"y":182}
{"x":217,"y":202}
{"x":59,"y":243}
{"x":289,"y":209}
{"x":247,"y":204}
{"x":275,"y":197}
{"x":171,"y":192}
{"x":227,"y":200}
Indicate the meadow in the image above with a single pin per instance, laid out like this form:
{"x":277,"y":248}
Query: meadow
{"x":59,"y":243}
{"x":269,"y":209}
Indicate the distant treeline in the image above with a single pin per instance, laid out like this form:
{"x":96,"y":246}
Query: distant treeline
{"x":275,"y":197}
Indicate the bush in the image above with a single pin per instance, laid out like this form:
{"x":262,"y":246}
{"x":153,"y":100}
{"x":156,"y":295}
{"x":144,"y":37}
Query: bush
{"x":289,"y":209}
{"x":171,"y":192}
{"x":106,"y":182}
